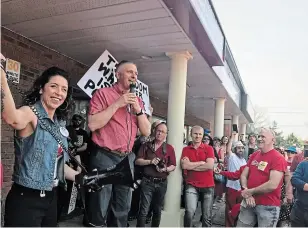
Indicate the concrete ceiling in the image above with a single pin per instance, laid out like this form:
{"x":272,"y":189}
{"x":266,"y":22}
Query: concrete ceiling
{"x":137,"y":30}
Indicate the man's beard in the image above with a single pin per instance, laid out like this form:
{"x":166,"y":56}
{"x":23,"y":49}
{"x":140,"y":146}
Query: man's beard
{"x":239,"y":154}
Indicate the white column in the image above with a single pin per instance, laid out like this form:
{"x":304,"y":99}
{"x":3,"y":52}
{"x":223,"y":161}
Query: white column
{"x":172,"y":216}
{"x":235,"y":121}
{"x":243,"y":130}
{"x":219,"y":117}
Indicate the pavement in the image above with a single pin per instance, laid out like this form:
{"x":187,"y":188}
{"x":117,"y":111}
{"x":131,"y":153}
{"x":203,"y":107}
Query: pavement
{"x":218,"y":218}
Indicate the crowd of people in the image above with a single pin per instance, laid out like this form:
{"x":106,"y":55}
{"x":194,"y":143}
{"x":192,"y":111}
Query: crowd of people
{"x":260,"y":184}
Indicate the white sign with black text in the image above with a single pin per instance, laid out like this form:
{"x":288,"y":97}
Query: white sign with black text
{"x":13,"y":70}
{"x":102,"y":74}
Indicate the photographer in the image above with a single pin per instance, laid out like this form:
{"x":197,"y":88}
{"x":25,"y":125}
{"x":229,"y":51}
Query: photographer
{"x":158,"y":159}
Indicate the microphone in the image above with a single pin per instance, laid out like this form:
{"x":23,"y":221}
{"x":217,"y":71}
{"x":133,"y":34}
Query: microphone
{"x":132,"y":87}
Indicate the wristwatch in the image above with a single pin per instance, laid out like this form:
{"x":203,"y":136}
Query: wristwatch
{"x":140,"y":113}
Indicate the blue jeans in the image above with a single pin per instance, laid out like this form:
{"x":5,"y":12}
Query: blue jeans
{"x":152,"y":194}
{"x":192,"y":196}
{"x":266,"y":216}
{"x":117,"y":196}
{"x":299,"y":215}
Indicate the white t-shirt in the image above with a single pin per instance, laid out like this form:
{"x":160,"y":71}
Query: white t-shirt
{"x":234,"y":164}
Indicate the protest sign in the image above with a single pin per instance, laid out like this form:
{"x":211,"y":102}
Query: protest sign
{"x":102,"y":74}
{"x":13,"y":70}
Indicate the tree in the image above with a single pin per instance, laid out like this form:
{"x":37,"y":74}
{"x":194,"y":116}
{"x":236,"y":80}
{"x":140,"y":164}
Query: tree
{"x":280,"y":141}
{"x":260,"y":119}
{"x":293,"y":140}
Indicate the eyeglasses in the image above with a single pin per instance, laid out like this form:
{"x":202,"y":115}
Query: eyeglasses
{"x":206,"y":139}
{"x":240,"y":147}
{"x":161,"y":132}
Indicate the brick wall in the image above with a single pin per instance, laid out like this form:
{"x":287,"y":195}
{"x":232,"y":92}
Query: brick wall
{"x":35,"y":58}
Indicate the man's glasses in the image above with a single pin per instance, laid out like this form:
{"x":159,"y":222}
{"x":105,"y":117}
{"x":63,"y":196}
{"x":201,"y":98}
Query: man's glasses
{"x":161,"y":132}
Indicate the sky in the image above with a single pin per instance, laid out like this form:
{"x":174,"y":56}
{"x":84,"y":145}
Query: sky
{"x":269,"y":42}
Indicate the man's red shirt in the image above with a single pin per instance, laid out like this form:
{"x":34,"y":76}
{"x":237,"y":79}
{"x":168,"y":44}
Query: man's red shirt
{"x":146,"y":152}
{"x":116,"y":134}
{"x":200,"y":179}
{"x":260,"y":164}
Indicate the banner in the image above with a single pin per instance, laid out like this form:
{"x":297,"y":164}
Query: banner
{"x":102,"y":74}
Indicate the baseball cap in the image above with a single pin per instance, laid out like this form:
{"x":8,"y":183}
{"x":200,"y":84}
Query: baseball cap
{"x":238,"y":143}
{"x":291,"y":149}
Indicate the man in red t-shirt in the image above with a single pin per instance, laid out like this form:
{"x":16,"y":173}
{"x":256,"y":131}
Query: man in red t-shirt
{"x":262,"y":190}
{"x":197,"y":162}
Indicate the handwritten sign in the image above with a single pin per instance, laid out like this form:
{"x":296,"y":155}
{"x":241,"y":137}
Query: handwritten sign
{"x":102,"y":74}
{"x":13,"y":70}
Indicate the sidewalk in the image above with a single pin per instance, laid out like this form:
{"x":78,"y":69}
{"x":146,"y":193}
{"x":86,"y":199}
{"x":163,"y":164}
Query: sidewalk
{"x":218,"y":218}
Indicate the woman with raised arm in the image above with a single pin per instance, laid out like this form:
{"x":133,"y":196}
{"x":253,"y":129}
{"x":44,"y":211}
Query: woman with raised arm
{"x":39,"y":154}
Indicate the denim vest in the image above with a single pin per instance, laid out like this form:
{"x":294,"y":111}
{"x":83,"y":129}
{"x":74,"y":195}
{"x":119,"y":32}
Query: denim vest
{"x":35,"y":155}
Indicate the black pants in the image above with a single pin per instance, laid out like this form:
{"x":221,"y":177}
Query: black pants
{"x":24,"y":207}
{"x":299,"y":215}
{"x":154,"y":193}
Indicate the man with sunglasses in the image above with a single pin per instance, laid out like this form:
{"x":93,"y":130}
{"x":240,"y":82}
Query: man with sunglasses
{"x":236,"y":160}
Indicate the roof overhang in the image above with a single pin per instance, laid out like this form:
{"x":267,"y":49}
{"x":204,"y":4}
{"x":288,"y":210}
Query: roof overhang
{"x":138,"y":30}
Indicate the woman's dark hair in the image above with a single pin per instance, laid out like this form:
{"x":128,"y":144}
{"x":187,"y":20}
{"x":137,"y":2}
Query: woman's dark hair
{"x":222,"y":138}
{"x":34,"y":95}
{"x":212,"y":145}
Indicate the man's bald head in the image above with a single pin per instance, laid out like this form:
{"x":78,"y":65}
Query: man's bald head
{"x":196,"y":128}
{"x":197,"y":134}
{"x":121,"y":65}
{"x":268,"y":132}
{"x":266,"y":139}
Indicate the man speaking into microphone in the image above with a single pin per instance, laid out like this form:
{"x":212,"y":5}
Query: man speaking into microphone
{"x":115,"y":115}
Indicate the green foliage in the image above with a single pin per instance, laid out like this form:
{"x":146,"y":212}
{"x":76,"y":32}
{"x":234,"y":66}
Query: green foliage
{"x":294,"y":140}
{"x":290,"y":140}
{"x":261,"y":120}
